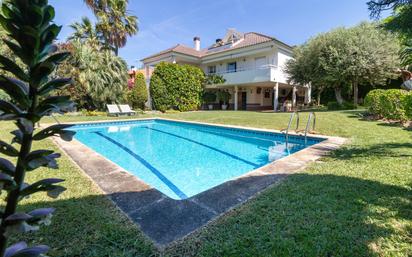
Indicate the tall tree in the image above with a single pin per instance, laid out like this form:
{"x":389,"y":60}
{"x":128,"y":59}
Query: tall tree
{"x":376,"y":7}
{"x":99,"y":77}
{"x":86,"y":32}
{"x":344,"y":57}
{"x":114,"y":21}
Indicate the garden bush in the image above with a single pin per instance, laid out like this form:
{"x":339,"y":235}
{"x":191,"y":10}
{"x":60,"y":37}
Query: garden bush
{"x":137,"y":95}
{"x":175,"y":86}
{"x":394,"y":104}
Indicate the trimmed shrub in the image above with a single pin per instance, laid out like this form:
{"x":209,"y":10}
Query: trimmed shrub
{"x":137,"y":95}
{"x":394,"y":104}
{"x":373,"y":102}
{"x":407,"y":103}
{"x":175,"y":86}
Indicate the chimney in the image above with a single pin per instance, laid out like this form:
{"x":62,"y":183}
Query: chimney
{"x":196,"y":41}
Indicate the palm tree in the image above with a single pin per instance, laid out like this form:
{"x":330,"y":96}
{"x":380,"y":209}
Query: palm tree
{"x":114,"y":22}
{"x":86,"y":32}
{"x":406,"y":54}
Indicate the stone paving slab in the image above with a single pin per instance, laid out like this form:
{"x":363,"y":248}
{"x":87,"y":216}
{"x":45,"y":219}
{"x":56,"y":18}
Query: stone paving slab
{"x":165,"y":220}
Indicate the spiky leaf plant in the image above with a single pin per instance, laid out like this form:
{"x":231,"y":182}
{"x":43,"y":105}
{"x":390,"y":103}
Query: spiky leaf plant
{"x":31,"y":36}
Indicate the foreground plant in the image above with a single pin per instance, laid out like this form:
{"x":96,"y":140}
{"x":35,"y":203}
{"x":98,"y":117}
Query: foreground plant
{"x":30,"y":38}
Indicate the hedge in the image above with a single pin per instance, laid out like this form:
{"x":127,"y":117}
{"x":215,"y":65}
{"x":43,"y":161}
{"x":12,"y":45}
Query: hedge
{"x":394,"y":104}
{"x":137,"y":95}
{"x":178,"y":87}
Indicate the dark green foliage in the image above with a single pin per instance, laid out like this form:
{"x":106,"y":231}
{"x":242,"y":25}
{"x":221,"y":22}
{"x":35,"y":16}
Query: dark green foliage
{"x":214,"y":79}
{"x":223,"y":96}
{"x":28,"y":86}
{"x":209,"y":97}
{"x":137,"y":96}
{"x":174,"y":86}
{"x":394,"y":104}
{"x":334,"y":106}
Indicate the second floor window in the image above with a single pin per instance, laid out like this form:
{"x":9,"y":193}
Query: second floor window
{"x":211,"y":69}
{"x":231,"y":67}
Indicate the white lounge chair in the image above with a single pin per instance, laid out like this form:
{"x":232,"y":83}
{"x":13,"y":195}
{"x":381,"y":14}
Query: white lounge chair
{"x":125,"y":109}
{"x":112,"y":110}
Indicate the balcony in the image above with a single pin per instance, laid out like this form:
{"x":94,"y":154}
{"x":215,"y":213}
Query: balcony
{"x":265,"y":73}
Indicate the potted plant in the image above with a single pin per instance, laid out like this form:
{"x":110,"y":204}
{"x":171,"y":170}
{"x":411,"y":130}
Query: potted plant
{"x":209,"y":98}
{"x":223,"y":96}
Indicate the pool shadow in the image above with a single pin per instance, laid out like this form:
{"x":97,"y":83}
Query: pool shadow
{"x":309,"y":215}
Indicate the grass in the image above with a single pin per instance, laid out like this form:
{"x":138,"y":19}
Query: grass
{"x":355,"y":202}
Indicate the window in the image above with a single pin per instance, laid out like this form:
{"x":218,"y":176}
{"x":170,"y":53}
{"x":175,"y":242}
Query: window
{"x":267,"y":93}
{"x":231,"y":67}
{"x":211,"y":69}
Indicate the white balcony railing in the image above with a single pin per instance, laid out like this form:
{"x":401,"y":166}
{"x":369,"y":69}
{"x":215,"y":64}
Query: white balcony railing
{"x":265,"y":73}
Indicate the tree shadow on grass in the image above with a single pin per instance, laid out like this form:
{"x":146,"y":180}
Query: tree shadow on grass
{"x":306,"y":215}
{"x":311,"y":215}
{"x":381,"y":150}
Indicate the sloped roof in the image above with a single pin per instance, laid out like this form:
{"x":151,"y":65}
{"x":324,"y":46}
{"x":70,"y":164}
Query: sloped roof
{"x":179,"y":48}
{"x":249,"y":39}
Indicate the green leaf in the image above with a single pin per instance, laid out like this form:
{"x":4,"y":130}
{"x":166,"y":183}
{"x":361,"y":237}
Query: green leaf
{"x":41,"y":158}
{"x":56,"y":191}
{"x":7,"y":182}
{"x":18,"y":136}
{"x":17,"y":50}
{"x":12,"y":67}
{"x":57,"y":129}
{"x":35,"y":15}
{"x":8,"y":149}
{"x":44,"y":185}
{"x":9,"y":108}
{"x":25,"y":125}
{"x":45,"y":67}
{"x":49,"y":49}
{"x":54,"y":85}
{"x":49,"y":14}
{"x":8,"y":26}
{"x":41,"y":216}
{"x":54,"y":104}
{"x":35,"y":251}
{"x":16,"y":89}
{"x":50,"y":34}
{"x":7,"y":167}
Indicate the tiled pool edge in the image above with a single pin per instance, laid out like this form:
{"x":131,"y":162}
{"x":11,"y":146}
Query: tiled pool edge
{"x":165,"y":220}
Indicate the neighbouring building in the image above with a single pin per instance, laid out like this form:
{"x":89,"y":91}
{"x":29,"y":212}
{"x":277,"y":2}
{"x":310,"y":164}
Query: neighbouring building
{"x":252,"y":65}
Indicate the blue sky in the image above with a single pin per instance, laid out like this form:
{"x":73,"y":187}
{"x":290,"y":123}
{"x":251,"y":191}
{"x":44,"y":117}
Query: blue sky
{"x":165,"y":23}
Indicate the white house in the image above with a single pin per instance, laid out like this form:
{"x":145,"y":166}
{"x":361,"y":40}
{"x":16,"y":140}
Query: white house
{"x":252,"y":65}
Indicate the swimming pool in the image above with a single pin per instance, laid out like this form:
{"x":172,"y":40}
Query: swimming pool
{"x":184,"y":159}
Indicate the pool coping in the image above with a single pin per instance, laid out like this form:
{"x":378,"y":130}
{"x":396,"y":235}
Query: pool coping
{"x":166,"y":221}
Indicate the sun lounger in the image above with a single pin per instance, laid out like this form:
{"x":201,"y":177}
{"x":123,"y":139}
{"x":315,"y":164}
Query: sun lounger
{"x":113,"y":110}
{"x":125,"y":109}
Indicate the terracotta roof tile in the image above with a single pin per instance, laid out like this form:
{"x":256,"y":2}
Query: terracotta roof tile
{"x":250,"y":39}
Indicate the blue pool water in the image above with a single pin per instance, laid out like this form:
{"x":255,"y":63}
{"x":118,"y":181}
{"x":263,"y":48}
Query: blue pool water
{"x":181,"y":159}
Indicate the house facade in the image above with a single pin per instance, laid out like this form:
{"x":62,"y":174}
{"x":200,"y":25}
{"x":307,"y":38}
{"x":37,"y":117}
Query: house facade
{"x":252,"y":65}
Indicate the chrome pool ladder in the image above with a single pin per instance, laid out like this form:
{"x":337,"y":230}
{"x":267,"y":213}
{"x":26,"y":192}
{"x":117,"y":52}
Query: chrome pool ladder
{"x":286,"y":131}
{"x":311,"y":120}
{"x":312,"y":117}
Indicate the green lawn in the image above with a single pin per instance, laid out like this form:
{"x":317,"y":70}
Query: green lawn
{"x":356,"y":202}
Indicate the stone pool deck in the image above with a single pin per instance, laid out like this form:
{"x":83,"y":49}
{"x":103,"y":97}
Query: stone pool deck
{"x":165,"y":220}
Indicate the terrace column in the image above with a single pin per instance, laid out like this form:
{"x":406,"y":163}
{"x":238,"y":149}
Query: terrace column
{"x":294,"y":90}
{"x":236,"y":98}
{"x":276,"y":97}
